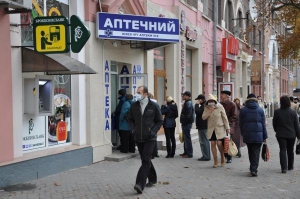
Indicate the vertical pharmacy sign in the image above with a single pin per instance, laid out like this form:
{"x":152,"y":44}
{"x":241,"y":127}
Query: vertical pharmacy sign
{"x":106,"y":96}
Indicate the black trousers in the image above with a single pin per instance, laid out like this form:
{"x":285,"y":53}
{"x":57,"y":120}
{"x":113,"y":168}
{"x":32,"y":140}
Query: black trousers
{"x":170,"y":138}
{"x":147,"y":169}
{"x":127,"y":142}
{"x":286,"y":153}
{"x":254,"y":152}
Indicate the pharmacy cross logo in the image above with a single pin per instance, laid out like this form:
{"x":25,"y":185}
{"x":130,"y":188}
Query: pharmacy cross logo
{"x":31,"y":125}
{"x":108,"y":33}
{"x":78,"y":33}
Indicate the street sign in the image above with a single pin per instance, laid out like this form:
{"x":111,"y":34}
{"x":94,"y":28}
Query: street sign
{"x":79,"y":34}
{"x":50,"y":34}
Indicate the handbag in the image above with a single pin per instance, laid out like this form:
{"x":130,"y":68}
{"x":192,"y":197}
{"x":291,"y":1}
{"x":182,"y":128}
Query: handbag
{"x":298,"y":147}
{"x":226,"y":143}
{"x":181,"y":137}
{"x":232,"y":149}
{"x":265,"y":152}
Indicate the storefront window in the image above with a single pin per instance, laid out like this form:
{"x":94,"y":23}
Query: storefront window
{"x":188,"y":70}
{"x":62,"y":110}
{"x":159,"y":59}
{"x":52,"y":8}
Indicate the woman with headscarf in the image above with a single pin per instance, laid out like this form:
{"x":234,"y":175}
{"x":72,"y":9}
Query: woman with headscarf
{"x":237,"y":136}
{"x":217,"y":127}
{"x":286,"y":126}
{"x":169,"y":110}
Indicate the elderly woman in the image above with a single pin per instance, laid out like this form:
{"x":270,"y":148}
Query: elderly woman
{"x":286,"y":126}
{"x":237,"y":136}
{"x":252,"y":123}
{"x":217,"y":127}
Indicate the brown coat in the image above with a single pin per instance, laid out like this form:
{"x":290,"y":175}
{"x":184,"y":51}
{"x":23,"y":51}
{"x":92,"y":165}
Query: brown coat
{"x":216,"y":121}
{"x":230,"y":107}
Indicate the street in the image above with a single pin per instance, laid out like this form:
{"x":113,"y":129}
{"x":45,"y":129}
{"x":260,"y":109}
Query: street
{"x":177,"y":178}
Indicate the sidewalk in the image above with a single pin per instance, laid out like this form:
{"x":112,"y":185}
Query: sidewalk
{"x":178,"y":178}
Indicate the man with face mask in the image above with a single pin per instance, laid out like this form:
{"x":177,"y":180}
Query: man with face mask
{"x":229,"y":107}
{"x":145,"y":120}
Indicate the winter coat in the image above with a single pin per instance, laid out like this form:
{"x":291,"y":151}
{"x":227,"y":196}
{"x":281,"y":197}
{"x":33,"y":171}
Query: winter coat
{"x":286,"y":123}
{"x":118,"y":111}
{"x":230,"y":107}
{"x":217,"y":120}
{"x":146,"y":126}
{"x":123,"y":123}
{"x":187,"y":113}
{"x":252,"y":122}
{"x":171,"y":113}
{"x":200,"y":123}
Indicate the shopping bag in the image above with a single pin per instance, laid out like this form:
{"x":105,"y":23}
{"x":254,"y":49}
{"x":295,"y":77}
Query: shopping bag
{"x":265,"y":152}
{"x":226,"y":143}
{"x":232,"y":149}
{"x":181,"y":137}
{"x":298,"y":147}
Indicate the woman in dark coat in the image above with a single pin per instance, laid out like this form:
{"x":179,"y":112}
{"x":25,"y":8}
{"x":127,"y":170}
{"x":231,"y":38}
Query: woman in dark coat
{"x":286,"y":126}
{"x":170,"y":111}
{"x":253,"y":129}
{"x":237,"y":136}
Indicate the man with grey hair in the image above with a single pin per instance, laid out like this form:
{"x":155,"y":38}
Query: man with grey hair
{"x":145,"y":120}
{"x":229,"y":107}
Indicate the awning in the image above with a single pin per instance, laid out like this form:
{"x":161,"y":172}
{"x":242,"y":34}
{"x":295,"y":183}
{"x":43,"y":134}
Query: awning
{"x":52,"y":64}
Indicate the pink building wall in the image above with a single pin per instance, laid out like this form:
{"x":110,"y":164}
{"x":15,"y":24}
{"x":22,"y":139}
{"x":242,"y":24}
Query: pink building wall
{"x":6,"y":116}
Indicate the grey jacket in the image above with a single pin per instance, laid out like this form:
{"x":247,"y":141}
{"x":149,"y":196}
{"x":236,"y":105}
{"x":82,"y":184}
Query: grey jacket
{"x":286,"y":123}
{"x":146,"y":126}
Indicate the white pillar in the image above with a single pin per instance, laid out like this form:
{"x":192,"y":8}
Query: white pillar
{"x":78,"y":87}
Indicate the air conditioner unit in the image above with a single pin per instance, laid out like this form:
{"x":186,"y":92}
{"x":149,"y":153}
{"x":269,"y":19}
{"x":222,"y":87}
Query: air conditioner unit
{"x":16,"y":4}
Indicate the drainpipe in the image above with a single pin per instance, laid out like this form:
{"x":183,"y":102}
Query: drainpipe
{"x":263,"y":55}
{"x":215,"y":45}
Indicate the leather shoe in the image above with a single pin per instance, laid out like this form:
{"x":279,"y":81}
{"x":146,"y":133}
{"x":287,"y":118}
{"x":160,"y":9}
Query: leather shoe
{"x":150,"y":184}
{"x":253,"y":174}
{"x":167,"y":156}
{"x":187,"y":156}
{"x":182,"y":154}
{"x":138,"y":188}
{"x":228,"y":161}
{"x":284,"y":171}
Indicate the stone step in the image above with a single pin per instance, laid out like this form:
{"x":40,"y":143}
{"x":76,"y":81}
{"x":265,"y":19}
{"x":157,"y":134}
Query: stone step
{"x":162,"y":144}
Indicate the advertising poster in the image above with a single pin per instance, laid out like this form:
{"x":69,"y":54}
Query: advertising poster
{"x":255,"y":72}
{"x":34,"y":134}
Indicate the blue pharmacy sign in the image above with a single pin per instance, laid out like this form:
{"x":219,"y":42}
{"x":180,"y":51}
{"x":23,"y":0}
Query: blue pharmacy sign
{"x":138,"y":28}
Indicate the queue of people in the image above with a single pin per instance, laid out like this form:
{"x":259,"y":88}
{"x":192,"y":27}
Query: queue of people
{"x":140,"y":120}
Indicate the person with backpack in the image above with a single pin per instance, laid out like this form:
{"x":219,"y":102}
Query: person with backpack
{"x":127,"y":138}
{"x":169,"y":109}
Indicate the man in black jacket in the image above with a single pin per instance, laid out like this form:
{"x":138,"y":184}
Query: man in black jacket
{"x":187,"y":119}
{"x":145,"y":120}
{"x":202,"y":128}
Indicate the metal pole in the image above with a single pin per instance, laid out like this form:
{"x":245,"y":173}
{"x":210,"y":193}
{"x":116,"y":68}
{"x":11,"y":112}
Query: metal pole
{"x":263,"y":54}
{"x":215,"y":45}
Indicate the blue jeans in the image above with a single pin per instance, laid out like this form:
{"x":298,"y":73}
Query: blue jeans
{"x":204,"y":143}
{"x":188,"y":147}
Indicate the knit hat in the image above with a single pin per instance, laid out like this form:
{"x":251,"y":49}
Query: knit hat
{"x":169,"y":99}
{"x":251,"y":95}
{"x":122,"y":92}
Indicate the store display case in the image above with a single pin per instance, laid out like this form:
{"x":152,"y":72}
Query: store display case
{"x":38,"y":95}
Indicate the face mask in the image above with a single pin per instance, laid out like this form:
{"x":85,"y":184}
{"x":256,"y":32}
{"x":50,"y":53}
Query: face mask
{"x":138,"y":97}
{"x":211,"y":104}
